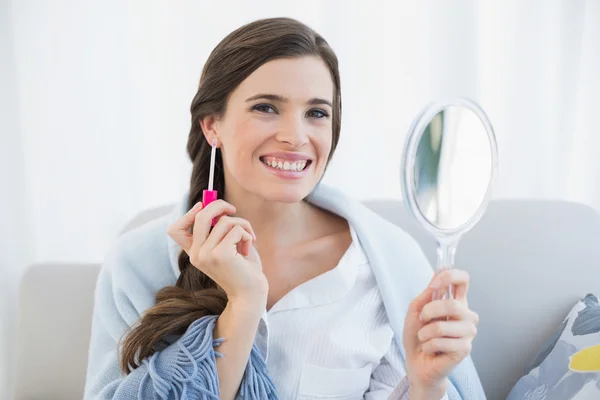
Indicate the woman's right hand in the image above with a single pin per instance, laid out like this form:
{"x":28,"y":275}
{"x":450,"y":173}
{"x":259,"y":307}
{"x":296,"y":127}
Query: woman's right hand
{"x":226,"y":254}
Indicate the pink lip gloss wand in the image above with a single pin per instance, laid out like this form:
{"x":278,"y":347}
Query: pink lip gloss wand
{"x":210,"y":195}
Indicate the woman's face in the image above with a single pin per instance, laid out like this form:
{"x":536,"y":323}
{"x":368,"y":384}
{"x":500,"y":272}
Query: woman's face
{"x":276,"y":133}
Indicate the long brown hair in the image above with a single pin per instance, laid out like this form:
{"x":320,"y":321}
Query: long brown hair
{"x":238,"y":55}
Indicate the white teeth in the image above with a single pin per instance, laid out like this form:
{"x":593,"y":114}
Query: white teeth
{"x":286,"y":165}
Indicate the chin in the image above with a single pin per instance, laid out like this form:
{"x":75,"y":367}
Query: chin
{"x":284,"y":193}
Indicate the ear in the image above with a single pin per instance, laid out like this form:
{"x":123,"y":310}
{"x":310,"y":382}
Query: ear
{"x":209,"y":125}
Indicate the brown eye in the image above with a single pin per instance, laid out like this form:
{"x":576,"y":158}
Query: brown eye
{"x":264,"y":108}
{"x":317,"y":113}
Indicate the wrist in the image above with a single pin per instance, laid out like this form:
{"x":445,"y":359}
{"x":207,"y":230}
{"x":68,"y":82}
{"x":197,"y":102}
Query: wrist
{"x":248,"y":305}
{"x":420,"y":392}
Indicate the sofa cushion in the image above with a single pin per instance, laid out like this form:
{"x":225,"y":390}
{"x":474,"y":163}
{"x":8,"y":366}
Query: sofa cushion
{"x":568,"y":364}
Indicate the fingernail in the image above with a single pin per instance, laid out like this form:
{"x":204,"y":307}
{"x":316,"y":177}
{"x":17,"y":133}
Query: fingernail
{"x":435,"y":284}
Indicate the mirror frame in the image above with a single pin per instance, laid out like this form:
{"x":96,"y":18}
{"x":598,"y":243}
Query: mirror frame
{"x":407,"y":168}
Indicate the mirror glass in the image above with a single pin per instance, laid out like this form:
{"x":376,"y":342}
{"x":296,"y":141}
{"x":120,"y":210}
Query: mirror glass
{"x":452,"y":167}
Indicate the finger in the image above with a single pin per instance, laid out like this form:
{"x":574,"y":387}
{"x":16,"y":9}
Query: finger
{"x":459,"y":279}
{"x":474,"y":317}
{"x":452,"y":308}
{"x":203,"y":221}
{"x":179,"y":231}
{"x":229,"y":245}
{"x":245,"y":247}
{"x":416,"y":306}
{"x":222,"y":228}
{"x":448,"y":329}
{"x":413,"y":323}
{"x":455,"y":348}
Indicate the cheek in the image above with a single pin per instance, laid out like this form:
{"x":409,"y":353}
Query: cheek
{"x":245,"y":137}
{"x":323,"y":143}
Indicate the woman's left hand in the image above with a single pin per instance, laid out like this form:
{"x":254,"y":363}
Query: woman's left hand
{"x":434,"y":344}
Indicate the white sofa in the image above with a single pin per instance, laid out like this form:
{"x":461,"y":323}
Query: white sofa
{"x":529,"y":262}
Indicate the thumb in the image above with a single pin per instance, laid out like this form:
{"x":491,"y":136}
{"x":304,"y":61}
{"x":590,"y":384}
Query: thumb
{"x":413,"y":318}
{"x":254,"y":256}
{"x":422,"y":299}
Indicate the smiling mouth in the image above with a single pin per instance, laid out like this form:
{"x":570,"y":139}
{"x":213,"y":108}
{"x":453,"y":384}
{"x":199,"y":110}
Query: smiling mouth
{"x":286,"y":165}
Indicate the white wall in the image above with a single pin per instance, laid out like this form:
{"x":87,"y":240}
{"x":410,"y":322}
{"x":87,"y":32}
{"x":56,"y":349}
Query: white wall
{"x":104,"y":91}
{"x":15,"y":249}
{"x":95,"y":103}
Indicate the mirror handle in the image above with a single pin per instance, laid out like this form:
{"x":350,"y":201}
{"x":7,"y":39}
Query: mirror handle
{"x":446,"y":249}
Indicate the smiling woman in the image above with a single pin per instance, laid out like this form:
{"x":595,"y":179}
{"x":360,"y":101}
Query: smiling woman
{"x":298,"y":291}
{"x":281,"y":114}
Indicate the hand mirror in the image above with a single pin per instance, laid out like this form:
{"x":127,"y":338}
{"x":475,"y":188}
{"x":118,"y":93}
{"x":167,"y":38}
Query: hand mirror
{"x":448,"y":170}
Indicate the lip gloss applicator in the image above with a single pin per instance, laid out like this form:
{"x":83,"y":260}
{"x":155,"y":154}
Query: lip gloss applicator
{"x":210,"y":195}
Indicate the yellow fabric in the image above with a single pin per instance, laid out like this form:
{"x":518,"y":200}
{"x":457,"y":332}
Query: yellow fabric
{"x":586,"y":360}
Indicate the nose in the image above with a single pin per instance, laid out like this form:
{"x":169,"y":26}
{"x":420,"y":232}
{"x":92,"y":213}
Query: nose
{"x":293,"y":132}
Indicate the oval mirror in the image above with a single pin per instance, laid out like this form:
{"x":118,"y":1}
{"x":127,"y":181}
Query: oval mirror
{"x":448,"y":171}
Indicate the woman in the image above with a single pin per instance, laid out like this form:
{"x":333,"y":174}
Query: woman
{"x":330,"y":309}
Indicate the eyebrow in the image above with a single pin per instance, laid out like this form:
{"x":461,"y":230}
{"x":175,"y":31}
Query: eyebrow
{"x":276,"y":97}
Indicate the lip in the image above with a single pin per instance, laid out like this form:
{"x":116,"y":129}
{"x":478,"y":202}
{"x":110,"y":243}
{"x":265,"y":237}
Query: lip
{"x":288,"y":156}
